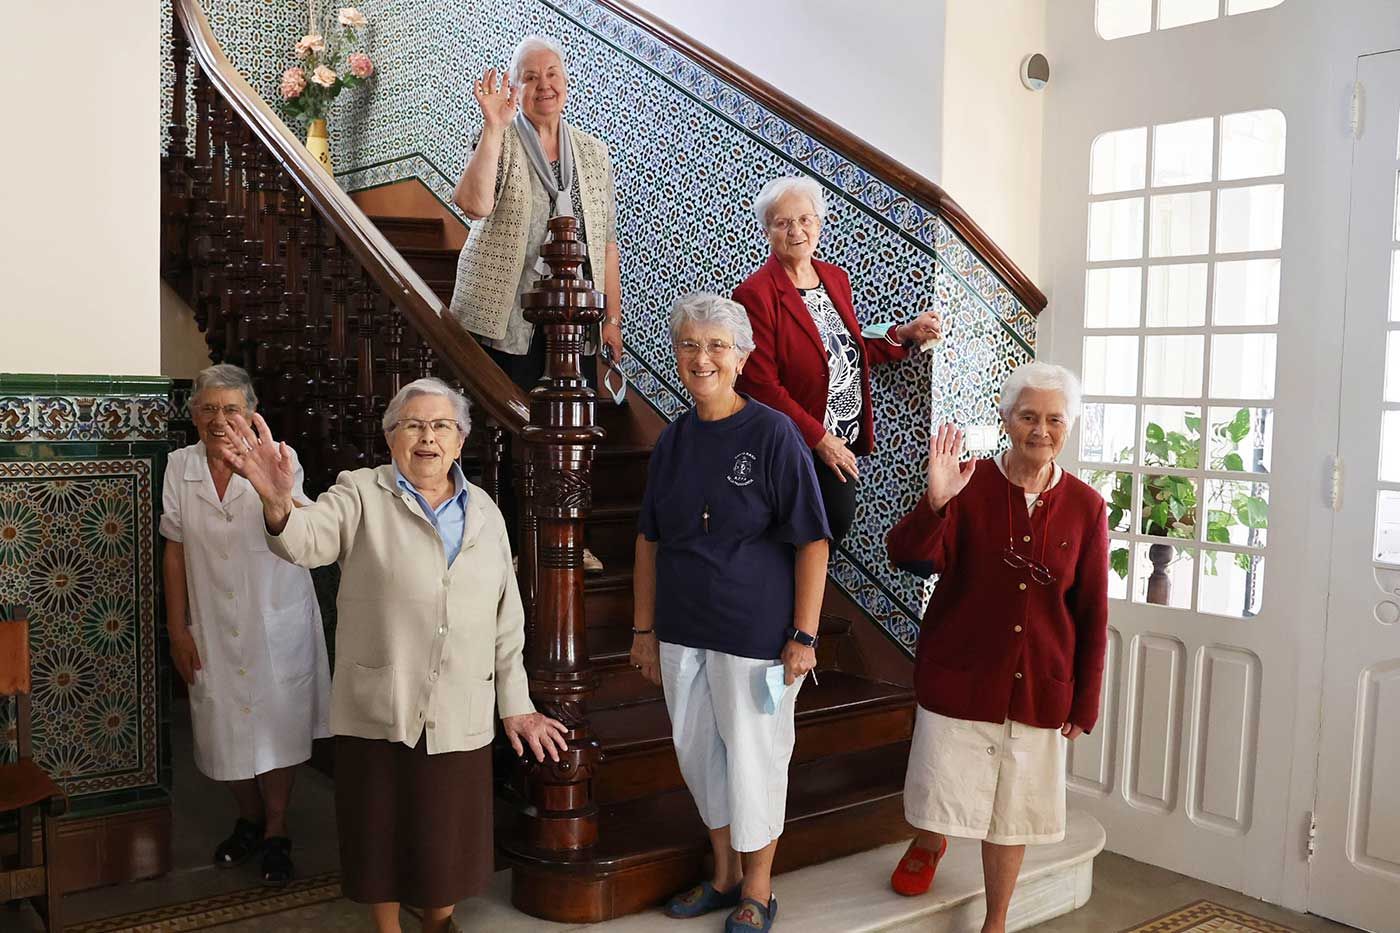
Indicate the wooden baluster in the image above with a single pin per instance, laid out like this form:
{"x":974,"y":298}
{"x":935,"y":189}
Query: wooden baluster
{"x":493,"y":451}
{"x":271,"y":284}
{"x":216,"y":329}
{"x":370,"y":402}
{"x":559,"y":443}
{"x":338,"y":361}
{"x":235,"y":266}
{"x":251,"y":322}
{"x":201,"y":220}
{"x":316,"y":390}
{"x":174,"y":173}
{"x":394,"y":325}
{"x":291,"y":306}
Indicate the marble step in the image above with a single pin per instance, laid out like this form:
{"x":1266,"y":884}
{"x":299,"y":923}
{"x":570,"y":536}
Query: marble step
{"x":852,"y":894}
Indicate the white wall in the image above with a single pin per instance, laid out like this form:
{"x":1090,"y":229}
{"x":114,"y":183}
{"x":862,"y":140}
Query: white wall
{"x":874,"y":67}
{"x":992,"y":125}
{"x":80,"y":188}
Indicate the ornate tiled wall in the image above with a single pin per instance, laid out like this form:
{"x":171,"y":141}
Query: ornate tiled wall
{"x":690,"y":152}
{"x":80,"y":465}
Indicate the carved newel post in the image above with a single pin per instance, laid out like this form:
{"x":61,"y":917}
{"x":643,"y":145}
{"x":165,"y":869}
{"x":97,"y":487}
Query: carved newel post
{"x":556,"y":495}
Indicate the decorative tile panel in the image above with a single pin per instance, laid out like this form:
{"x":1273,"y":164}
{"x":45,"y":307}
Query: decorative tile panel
{"x":80,"y":461}
{"x":690,"y":153}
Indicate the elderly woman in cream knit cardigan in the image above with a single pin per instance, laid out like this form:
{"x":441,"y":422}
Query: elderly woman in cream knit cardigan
{"x":528,"y":166}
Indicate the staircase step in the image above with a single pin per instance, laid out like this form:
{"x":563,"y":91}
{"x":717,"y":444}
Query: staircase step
{"x":612,"y":533}
{"x":619,"y":474}
{"x":844,"y":711}
{"x":652,"y":847}
{"x":607,"y":596}
{"x":410,"y":231}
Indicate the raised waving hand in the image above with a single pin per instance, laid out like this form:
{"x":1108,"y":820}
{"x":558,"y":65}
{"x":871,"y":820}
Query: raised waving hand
{"x":263,"y":462}
{"x":947,"y":476}
{"x":497,"y":102}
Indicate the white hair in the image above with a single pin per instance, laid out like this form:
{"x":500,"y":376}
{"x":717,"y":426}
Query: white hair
{"x":534,"y":43}
{"x":709,"y":308}
{"x":225,"y":376}
{"x":778,"y":187}
{"x":428,"y":386}
{"x":1039,"y":375}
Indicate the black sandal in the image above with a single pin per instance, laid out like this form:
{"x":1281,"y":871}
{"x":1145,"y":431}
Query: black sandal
{"x":277,"y":861}
{"x":241,"y":845}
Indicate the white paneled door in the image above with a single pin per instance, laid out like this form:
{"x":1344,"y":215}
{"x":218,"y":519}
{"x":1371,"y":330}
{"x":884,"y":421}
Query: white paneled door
{"x":1355,"y":873}
{"x":1200,"y":453}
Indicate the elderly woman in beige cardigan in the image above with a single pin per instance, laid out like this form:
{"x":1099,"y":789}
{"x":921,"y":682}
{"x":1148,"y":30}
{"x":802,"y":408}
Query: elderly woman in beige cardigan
{"x":428,"y":643}
{"x":530,"y":165}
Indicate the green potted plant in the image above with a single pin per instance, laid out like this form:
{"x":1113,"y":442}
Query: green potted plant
{"x":1170,"y":506}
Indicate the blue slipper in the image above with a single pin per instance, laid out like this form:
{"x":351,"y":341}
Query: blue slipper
{"x":750,"y":915}
{"x":701,"y":899}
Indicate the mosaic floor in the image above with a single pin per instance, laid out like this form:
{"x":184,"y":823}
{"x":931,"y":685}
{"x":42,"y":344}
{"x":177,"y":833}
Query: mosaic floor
{"x":1208,"y":917}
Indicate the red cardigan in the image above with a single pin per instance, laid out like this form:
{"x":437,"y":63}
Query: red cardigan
{"x":788,"y":367}
{"x":995,"y":643}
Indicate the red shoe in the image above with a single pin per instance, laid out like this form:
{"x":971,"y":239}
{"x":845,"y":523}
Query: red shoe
{"x":914,"y":875}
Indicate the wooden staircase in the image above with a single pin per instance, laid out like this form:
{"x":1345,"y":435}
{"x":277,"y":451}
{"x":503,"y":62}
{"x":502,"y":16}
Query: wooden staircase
{"x":852,"y":730}
{"x":333,"y":312}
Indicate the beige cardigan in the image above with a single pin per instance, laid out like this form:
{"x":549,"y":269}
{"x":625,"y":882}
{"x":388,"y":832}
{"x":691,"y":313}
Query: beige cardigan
{"x":418,"y":645}
{"x":490,"y":264}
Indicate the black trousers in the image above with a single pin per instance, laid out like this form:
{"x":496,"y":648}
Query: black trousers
{"x":839,"y":499}
{"x":525,"y":369}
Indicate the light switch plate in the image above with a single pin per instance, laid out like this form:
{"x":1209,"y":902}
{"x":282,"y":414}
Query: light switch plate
{"x":980,"y":437}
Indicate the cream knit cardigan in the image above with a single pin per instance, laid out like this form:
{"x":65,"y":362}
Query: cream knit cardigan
{"x":418,"y":645}
{"x":489,"y":267}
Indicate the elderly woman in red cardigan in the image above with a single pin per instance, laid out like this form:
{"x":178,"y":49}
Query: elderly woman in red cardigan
{"x":1011,"y":653}
{"x":810,"y":360}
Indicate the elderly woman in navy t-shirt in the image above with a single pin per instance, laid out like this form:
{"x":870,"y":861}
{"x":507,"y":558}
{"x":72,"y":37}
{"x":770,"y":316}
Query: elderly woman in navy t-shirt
{"x":731,"y":564}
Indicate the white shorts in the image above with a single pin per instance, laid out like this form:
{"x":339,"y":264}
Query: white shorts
{"x":734,"y":756}
{"x":1000,"y":782}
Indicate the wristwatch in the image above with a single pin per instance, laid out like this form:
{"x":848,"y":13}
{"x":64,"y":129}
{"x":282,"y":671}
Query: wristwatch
{"x":802,"y":638}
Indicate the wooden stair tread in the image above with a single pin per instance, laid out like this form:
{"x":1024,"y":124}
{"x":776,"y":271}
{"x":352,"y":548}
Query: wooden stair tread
{"x":609,"y":579}
{"x":639,"y":831}
{"x":644,"y":726}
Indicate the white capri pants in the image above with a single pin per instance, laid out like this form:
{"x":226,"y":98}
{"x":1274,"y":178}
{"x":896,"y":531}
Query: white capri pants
{"x":733,"y":756}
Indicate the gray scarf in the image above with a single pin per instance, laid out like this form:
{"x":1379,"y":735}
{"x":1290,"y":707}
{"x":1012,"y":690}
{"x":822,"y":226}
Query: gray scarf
{"x":561,"y":196}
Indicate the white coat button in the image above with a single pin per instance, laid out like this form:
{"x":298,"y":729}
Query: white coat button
{"x":431,"y":724}
{"x":442,"y":630}
{"x":246,"y":711}
{"x":228,"y":517}
{"x":433,"y":676}
{"x":991,"y":749}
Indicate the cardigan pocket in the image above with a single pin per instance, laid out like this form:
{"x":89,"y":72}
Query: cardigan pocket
{"x":1052,"y":698}
{"x":481,"y":704}
{"x":371,"y":693}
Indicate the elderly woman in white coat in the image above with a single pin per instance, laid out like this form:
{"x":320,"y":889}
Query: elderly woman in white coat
{"x":245,"y":630}
{"x":429,"y":640}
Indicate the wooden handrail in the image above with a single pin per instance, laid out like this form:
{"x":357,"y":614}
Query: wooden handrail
{"x":484,"y":381}
{"x":882,"y":166}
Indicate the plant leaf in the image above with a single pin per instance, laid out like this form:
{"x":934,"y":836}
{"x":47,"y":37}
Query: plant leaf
{"x":1118,"y":560}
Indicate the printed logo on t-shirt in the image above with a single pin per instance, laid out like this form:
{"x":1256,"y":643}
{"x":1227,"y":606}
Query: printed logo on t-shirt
{"x":741,"y":473}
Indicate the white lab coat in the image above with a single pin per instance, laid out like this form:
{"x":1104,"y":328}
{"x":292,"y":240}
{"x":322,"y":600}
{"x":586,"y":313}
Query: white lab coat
{"x":264,"y":691}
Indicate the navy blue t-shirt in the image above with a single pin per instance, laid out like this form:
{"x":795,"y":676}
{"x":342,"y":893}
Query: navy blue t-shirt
{"x":730,"y":588}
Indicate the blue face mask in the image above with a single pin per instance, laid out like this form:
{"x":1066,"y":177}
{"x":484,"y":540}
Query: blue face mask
{"x":773,"y":678}
{"x":620,"y":393}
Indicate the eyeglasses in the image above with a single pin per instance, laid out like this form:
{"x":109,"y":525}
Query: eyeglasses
{"x":712,"y":347}
{"x":412,"y":427}
{"x":1039,"y":572}
{"x":209,"y":411}
{"x":806,"y":222}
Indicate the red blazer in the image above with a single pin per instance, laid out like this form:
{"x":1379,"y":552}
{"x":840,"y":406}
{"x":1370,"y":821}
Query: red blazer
{"x":788,"y":367}
{"x":995,"y":644}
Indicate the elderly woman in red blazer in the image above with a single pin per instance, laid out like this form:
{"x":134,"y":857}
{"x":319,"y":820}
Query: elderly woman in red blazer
{"x":1011,"y":652}
{"x":810,"y":361}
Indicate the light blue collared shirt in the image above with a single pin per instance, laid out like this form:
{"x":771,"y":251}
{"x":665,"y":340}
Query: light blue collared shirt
{"x":450,"y":518}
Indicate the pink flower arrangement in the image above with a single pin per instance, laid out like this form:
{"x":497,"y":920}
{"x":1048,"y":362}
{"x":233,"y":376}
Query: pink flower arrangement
{"x":360,"y":65}
{"x":326,"y":66}
{"x":293,"y":83}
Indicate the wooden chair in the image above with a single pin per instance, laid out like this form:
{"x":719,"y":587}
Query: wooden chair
{"x":24,"y":787}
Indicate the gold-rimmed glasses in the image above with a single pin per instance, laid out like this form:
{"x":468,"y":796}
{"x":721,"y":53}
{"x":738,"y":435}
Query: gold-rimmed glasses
{"x":412,"y":427}
{"x":712,"y":347}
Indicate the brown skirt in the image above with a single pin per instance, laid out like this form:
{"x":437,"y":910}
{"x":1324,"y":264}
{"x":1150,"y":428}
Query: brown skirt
{"x":414,"y":828}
